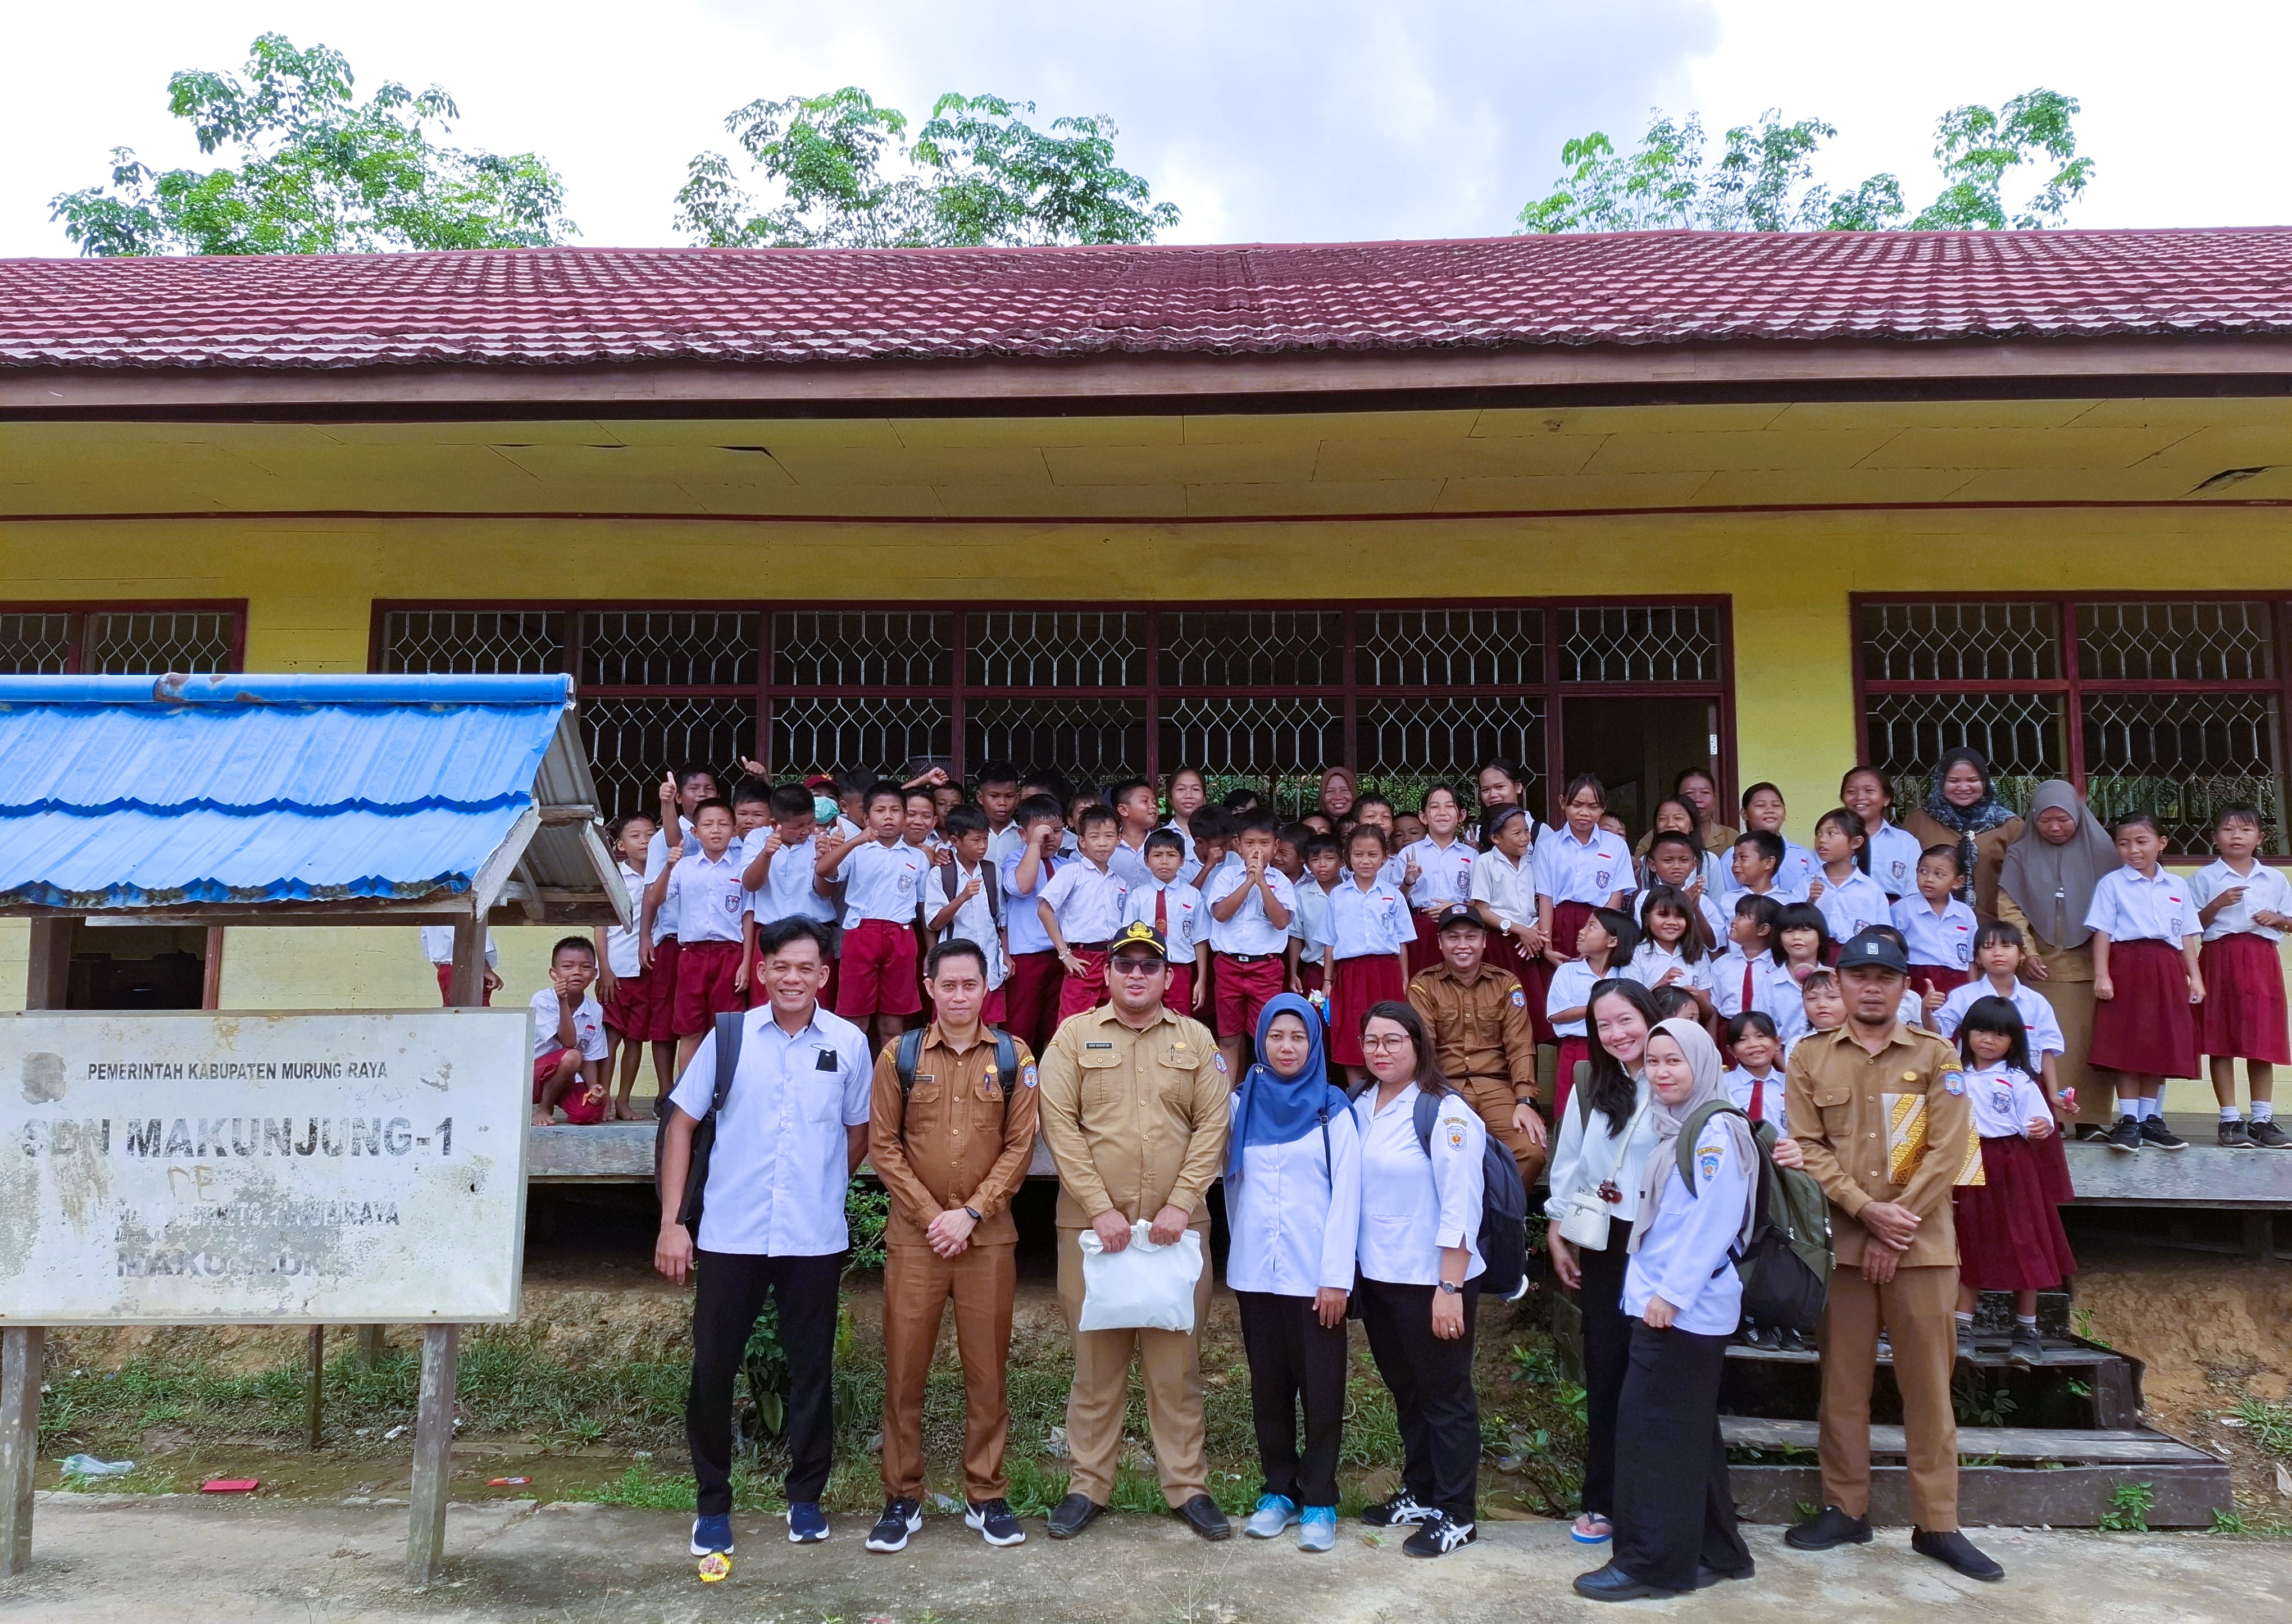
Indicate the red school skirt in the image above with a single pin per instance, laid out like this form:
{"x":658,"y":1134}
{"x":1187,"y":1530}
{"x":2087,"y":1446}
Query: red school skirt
{"x":2149,"y":1028}
{"x":1370,"y":979}
{"x":2009,"y":1231}
{"x":1535,"y":979}
{"x":2243,"y":1013}
{"x":1941,"y":978}
{"x":1566,"y":923}
{"x":1573,"y":1052}
{"x":1424,"y":951}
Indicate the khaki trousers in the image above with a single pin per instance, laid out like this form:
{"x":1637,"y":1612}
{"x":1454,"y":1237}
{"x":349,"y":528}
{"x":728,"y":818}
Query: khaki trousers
{"x":1169,"y":1361}
{"x":1492,"y":1097}
{"x":1916,"y":1308}
{"x":917,"y":1283}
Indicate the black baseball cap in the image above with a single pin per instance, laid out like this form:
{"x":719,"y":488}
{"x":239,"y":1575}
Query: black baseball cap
{"x":1459,"y":915}
{"x":1138,"y":933}
{"x":1875,"y":950}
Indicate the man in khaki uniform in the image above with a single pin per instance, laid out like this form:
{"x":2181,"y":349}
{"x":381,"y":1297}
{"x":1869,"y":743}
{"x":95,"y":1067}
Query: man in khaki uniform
{"x":951,"y":1146}
{"x":1859,"y":1098}
{"x":1136,"y":1108}
{"x":1478,"y":1016}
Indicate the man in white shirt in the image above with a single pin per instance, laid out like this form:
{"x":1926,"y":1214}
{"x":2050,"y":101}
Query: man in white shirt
{"x":792,"y":1128}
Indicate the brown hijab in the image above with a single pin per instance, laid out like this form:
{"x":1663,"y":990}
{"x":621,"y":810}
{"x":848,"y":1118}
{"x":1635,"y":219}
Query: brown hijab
{"x":2053,"y":884}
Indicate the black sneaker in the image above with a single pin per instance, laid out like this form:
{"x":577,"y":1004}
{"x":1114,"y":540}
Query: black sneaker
{"x":2154,"y":1131}
{"x":1955,"y":1551}
{"x":2234,"y":1135}
{"x":1439,"y":1536}
{"x":2267,"y":1136}
{"x":901,"y":1518}
{"x":2126,"y":1135}
{"x":1793,"y":1341}
{"x":995,"y":1523}
{"x":1832,"y":1528}
{"x":2028,"y":1349}
{"x":1401,"y":1509}
{"x":1965,"y":1342}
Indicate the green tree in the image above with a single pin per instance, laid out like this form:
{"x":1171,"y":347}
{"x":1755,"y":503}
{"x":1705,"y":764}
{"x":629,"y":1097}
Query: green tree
{"x":977,"y":172}
{"x":316,"y":172}
{"x":1762,"y":179}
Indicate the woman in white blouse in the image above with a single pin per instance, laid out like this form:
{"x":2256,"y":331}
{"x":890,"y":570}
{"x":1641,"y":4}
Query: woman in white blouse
{"x":1600,"y":1150}
{"x":1420,"y":1268}
{"x":1293,"y":1211}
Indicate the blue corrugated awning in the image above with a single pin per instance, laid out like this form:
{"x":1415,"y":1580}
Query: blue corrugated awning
{"x":179,"y":793}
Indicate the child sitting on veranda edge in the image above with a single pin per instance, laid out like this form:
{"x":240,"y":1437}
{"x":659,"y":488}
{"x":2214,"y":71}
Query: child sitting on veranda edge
{"x":568,"y":1039}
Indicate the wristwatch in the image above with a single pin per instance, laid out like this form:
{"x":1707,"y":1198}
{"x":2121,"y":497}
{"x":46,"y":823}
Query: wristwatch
{"x":1452,"y":1288}
{"x":975,"y":1219}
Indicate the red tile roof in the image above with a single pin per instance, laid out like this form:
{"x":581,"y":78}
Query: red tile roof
{"x":567,"y":306}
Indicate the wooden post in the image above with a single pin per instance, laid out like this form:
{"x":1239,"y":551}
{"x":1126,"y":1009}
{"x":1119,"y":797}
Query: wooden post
{"x":23,"y":1361}
{"x":48,"y":978}
{"x":369,"y":1347}
{"x":434,"y":1453}
{"x":469,"y":982}
{"x":315,"y":1400}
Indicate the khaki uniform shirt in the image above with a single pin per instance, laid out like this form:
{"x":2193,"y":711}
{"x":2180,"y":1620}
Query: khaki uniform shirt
{"x":1481,"y":1031}
{"x":1136,"y":1120}
{"x":1836,"y":1090}
{"x":961,"y":1137}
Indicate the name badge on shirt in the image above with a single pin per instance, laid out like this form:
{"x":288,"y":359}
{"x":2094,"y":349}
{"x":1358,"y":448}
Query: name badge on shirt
{"x":824,"y":1060}
{"x":1098,"y":1045}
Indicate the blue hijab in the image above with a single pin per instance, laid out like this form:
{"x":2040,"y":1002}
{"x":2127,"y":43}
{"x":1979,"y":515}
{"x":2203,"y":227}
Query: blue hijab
{"x":1275,"y":1109}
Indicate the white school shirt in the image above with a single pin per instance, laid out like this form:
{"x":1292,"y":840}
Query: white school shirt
{"x":1774,"y":990}
{"x":2266,"y":891}
{"x":2006,"y":1100}
{"x":705,"y":901}
{"x":1008,"y":841}
{"x":1852,"y":905}
{"x":1294,"y":1217}
{"x":881,"y":881}
{"x":588,"y":1025}
{"x":1310,"y":923}
{"x":663,"y":923}
{"x":1363,"y":923}
{"x":1798,"y":866}
{"x":1742,"y":1086}
{"x":2043,"y":1027}
{"x":1087,"y":901}
{"x":621,"y":945}
{"x":1944,"y":937}
{"x":1184,"y":913}
{"x":437,"y":946}
{"x":1572,"y":870}
{"x":1414,"y":1204}
{"x":1894,"y":854}
{"x":787,"y":891}
{"x":1190,"y":871}
{"x":777,"y":1174}
{"x":1683,"y":1257}
{"x":1650,"y":960}
{"x":1508,"y":888}
{"x":1580,"y":1161}
{"x":1444,"y":874}
{"x":1570,"y":988}
{"x":1022,"y":924}
{"x":1250,"y":931}
{"x":2132,"y":908}
{"x":1129,"y":861}
{"x":973,"y":922}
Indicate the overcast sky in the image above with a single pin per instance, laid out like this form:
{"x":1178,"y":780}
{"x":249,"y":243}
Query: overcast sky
{"x":1264,"y":120}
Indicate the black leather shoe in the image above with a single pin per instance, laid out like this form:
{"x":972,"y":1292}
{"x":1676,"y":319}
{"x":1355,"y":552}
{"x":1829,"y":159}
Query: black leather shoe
{"x":1201,"y":1515}
{"x":1832,"y":1528}
{"x":1954,"y":1550}
{"x":1612,"y":1584}
{"x":1074,"y":1513}
{"x":1706,"y":1577}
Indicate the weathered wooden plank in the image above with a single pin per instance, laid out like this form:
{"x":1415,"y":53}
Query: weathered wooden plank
{"x":433,"y":1455}
{"x":2202,"y":1175}
{"x":2141,"y":1446}
{"x":23,"y":1362}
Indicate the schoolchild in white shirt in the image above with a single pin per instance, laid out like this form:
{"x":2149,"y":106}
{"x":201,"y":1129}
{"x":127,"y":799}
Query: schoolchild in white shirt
{"x":1999,"y":952}
{"x":1503,"y":891}
{"x":1251,"y":903}
{"x":1757,"y":859}
{"x":997,"y":786}
{"x":438,"y":948}
{"x":1676,"y":814}
{"x":682,"y":792}
{"x":1188,"y":790}
{"x":1031,"y":996}
{"x":1179,"y":915}
{"x":1369,"y":932}
{"x":1675,"y":860}
{"x":882,"y":877}
{"x":1939,"y":927}
{"x":1604,"y":946}
{"x":1889,"y":853}
{"x":1754,"y":1083}
{"x":1850,"y":901}
{"x":1136,"y":814}
{"x":625,"y":984}
{"x":1753,"y":973}
{"x":700,"y":892}
{"x":776,"y":867}
{"x":569,"y":1050}
{"x":1443,"y":865}
{"x":1671,"y":951}
{"x":1763,"y":812}
{"x":963,"y":901}
{"x":1579,"y":866}
{"x":2146,"y":981}
{"x":2244,"y":907}
{"x":1081,"y":908}
{"x":1322,"y":858}
{"x":2009,"y":1225}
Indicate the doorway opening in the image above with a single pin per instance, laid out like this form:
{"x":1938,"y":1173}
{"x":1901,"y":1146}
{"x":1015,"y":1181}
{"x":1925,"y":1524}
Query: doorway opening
{"x":1636,"y":747}
{"x":145,"y":967}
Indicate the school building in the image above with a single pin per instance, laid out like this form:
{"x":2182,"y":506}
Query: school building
{"x":1773,"y":505}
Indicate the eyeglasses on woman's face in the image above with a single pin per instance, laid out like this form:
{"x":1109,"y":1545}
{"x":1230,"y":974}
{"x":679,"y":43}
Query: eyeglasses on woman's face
{"x":1380,"y":1044}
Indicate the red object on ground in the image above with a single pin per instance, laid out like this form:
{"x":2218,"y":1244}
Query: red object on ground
{"x":507,"y":1483}
{"x":229,"y":1485}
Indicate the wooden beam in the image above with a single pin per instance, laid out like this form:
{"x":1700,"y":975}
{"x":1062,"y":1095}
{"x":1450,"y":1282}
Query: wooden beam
{"x":314,"y":1395}
{"x":469,"y":982}
{"x":369,"y":1345}
{"x":433,"y":1455}
{"x":23,"y":1362}
{"x":211,"y":971}
{"x":48,"y":982}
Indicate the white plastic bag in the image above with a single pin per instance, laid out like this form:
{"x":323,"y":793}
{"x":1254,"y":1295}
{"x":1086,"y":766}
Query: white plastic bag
{"x":1142,"y":1286}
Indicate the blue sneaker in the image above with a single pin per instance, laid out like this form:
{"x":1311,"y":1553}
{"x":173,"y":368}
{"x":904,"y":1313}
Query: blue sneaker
{"x":1318,"y":1531}
{"x":711,"y":1534}
{"x":807,"y":1523}
{"x":1274,"y":1512}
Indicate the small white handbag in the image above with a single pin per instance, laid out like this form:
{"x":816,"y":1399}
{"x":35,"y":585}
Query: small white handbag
{"x":1584,"y":1217}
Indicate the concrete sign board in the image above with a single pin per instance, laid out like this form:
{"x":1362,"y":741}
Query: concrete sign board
{"x":186,"y":1167}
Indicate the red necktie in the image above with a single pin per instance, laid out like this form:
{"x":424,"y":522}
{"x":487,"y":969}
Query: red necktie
{"x":1747,"y":973}
{"x":1162,"y":914}
{"x":1758,"y":1099}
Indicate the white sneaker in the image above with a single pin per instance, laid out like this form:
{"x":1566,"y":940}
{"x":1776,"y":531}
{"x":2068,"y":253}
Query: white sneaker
{"x":1274,"y":1513}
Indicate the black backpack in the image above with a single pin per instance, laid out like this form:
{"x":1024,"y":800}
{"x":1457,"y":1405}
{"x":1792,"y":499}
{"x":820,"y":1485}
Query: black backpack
{"x":1786,"y":1269}
{"x":729,"y":1031}
{"x":909,"y":1051}
{"x":1504,"y":1205}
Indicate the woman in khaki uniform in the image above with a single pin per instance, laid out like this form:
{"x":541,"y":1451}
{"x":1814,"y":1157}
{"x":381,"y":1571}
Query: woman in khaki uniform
{"x":2045,"y":886}
{"x":1961,"y":810}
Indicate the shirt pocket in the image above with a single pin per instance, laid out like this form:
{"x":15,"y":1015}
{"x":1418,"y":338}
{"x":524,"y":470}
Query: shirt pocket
{"x":1835,"y":1102}
{"x":1175,"y":1074}
{"x":1104,"y":1071}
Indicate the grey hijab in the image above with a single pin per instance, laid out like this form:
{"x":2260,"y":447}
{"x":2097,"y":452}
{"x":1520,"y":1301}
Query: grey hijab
{"x":1703,"y":1058}
{"x":2054,"y":884}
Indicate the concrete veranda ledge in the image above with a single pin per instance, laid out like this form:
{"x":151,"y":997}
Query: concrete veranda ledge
{"x":173,"y":1555}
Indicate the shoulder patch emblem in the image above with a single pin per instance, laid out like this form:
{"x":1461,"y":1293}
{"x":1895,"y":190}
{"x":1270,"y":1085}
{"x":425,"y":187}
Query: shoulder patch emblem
{"x":1953,"y":1081}
{"x":1456,"y":1128}
{"x":1706,"y":1160}
{"x":1027,"y":1076}
{"x":1519,"y":999}
{"x":1220,"y":1060}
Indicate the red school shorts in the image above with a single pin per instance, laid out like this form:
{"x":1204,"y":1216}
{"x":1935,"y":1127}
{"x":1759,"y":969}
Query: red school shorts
{"x":578,"y":1107}
{"x":630,"y":1010}
{"x":878,"y":972}
{"x":1085,"y":989}
{"x":704,"y":972}
{"x":1178,"y":998}
{"x":446,"y":988}
{"x":1243,"y":989}
{"x":1031,"y":998}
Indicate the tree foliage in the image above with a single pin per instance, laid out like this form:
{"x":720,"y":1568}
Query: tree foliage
{"x":977,"y":172}
{"x":316,"y":172}
{"x":1762,"y":179}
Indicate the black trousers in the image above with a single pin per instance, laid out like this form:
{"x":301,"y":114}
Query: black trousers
{"x":1607,"y":1353}
{"x":1294,"y":1361}
{"x":1674,"y":1509}
{"x":729,"y":1293}
{"x":1431,"y":1384}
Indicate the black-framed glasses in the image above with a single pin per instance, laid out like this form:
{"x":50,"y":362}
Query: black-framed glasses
{"x":1135,"y":967}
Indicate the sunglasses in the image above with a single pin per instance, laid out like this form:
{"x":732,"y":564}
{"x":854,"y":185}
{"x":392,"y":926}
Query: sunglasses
{"x":1135,"y":967}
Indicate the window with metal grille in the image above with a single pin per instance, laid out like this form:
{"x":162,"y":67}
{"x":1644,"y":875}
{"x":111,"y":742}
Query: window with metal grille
{"x":112,"y":639}
{"x":2173,"y":706}
{"x":1408,"y":695}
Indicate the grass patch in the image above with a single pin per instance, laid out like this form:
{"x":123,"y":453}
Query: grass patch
{"x":2269,"y":1424}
